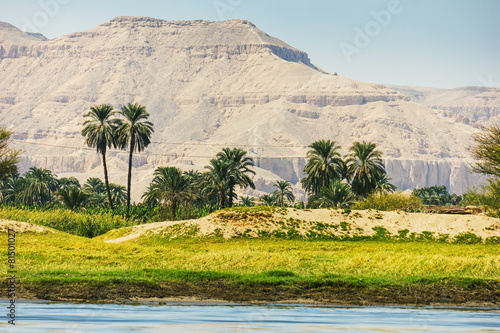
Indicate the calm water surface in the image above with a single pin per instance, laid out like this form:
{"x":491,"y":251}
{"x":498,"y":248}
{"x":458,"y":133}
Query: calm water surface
{"x":183,"y":317}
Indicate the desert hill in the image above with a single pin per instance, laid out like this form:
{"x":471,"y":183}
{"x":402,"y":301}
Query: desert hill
{"x":208,"y":85}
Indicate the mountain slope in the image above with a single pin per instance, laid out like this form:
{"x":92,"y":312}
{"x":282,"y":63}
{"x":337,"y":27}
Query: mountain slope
{"x":209,"y":85}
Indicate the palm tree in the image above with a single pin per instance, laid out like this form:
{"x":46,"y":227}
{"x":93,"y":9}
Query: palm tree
{"x":13,"y":189}
{"x":238,"y":170}
{"x":63,"y":182}
{"x":219,"y":175}
{"x":283,"y":192}
{"x":383,"y":184}
{"x":268,"y":199}
{"x":134,"y":132}
{"x":118,"y":193}
{"x":169,"y":186}
{"x":40,"y":185}
{"x":365,"y":167}
{"x":324,"y":165}
{"x":94,"y":185}
{"x":209,"y":191}
{"x":247,"y":201}
{"x":72,"y":196}
{"x":100,"y":133}
{"x":337,"y":195}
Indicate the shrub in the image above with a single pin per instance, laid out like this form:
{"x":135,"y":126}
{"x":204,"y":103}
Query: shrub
{"x":67,"y":221}
{"x":486,"y":195}
{"x":389,"y":201}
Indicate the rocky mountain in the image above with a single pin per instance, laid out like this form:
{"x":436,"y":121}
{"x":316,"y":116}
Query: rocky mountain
{"x":475,"y":106}
{"x":208,"y":85}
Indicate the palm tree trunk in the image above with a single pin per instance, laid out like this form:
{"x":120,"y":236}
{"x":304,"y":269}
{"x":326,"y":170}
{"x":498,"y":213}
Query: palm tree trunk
{"x":129,"y":180}
{"x":231,"y":191}
{"x":106,"y":180}
{"x":222,"y":199}
{"x":173,"y":208}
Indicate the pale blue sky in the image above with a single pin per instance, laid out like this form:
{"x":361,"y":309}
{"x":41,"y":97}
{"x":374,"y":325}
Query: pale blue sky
{"x":440,"y":43}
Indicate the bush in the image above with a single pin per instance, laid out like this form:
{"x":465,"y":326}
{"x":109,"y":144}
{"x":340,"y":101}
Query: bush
{"x":67,"y":221}
{"x":486,"y":195}
{"x":390,"y":201}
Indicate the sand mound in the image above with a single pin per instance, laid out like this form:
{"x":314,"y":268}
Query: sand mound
{"x":288,"y":222}
{"x":22,"y":227}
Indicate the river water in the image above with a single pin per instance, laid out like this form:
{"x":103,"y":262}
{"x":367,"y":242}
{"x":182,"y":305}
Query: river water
{"x":186,"y":317}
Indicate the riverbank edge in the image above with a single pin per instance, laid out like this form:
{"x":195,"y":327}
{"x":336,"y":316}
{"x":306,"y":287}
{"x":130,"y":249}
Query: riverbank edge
{"x":434,"y":294}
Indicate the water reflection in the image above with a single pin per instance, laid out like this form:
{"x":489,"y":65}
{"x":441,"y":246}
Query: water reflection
{"x":67,"y":317}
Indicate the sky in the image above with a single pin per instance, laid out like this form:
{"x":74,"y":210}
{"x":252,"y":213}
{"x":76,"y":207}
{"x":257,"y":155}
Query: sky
{"x":434,"y":43}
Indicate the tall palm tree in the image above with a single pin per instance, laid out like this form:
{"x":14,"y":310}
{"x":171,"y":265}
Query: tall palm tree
{"x":238,"y":171}
{"x":136,"y":133}
{"x":283,"y":192}
{"x":365,"y":167}
{"x":324,"y":165}
{"x":40,"y":185}
{"x":169,"y":186}
{"x":100,"y":133}
{"x":219,"y":175}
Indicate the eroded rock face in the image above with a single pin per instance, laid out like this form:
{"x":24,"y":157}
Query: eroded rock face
{"x":208,"y":85}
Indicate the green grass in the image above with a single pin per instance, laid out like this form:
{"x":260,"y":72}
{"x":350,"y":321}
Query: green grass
{"x":67,"y":221}
{"x":66,"y":257}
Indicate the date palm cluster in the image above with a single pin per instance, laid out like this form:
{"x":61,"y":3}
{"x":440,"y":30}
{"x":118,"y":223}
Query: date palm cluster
{"x":333,"y":181}
{"x":215,"y":187}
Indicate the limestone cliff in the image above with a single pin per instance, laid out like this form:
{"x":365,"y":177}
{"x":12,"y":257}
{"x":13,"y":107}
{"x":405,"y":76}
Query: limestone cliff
{"x":208,"y":85}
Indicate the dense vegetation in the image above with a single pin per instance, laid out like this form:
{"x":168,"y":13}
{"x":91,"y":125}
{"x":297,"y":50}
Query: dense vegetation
{"x":357,"y":180}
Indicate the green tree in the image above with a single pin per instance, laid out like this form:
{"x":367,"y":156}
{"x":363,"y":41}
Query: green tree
{"x":219,"y":176}
{"x":247,"y":201}
{"x":365,"y":166}
{"x":383,"y":184}
{"x":94,"y":185}
{"x":73,"y":196}
{"x":268,"y":199}
{"x":100,"y":132}
{"x":283,"y":192}
{"x":169,"y":187}
{"x":39,"y":186}
{"x":13,"y":190}
{"x":239,"y":168}
{"x":135,"y":133}
{"x":337,"y":195}
{"x":487,"y":151}
{"x":8,"y":156}
{"x":323,"y":165}
{"x":63,"y":182}
{"x":118,"y":193}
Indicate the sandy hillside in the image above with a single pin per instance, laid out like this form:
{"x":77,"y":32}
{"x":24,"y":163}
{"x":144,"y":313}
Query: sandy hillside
{"x":321,"y":221}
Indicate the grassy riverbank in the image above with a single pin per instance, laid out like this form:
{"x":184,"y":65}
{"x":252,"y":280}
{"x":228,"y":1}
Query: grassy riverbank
{"x":59,"y":266}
